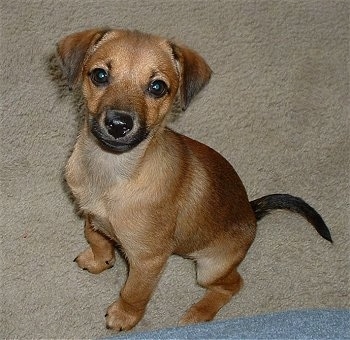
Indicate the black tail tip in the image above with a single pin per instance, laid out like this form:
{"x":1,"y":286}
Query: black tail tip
{"x":262,"y":206}
{"x":327,"y":236}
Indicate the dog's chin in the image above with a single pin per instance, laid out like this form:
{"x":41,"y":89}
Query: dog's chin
{"x":117,"y":145}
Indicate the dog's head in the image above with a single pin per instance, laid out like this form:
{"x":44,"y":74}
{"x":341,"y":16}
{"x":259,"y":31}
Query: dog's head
{"x":130,"y":80}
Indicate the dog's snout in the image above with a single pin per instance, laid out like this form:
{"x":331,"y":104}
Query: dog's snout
{"x":118,"y":124}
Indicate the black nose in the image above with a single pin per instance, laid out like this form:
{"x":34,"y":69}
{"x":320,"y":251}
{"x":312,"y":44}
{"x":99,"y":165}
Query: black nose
{"x":118,"y":124}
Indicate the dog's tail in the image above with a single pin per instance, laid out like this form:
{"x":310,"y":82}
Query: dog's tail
{"x":263,"y":206}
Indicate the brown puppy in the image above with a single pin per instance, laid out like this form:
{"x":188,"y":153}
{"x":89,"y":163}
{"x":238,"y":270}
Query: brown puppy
{"x":149,"y":189}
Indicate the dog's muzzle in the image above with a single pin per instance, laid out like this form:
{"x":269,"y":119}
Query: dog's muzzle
{"x":119,"y":131}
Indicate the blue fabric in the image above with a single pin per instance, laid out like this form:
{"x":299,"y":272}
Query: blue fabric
{"x":307,"y":324}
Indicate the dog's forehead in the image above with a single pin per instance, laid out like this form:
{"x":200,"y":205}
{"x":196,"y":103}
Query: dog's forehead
{"x":130,"y":49}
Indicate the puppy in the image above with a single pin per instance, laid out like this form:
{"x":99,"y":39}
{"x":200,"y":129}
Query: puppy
{"x":153,"y":191}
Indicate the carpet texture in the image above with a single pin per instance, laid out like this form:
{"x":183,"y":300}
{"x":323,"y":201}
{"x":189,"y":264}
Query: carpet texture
{"x":277,"y":108}
{"x":305,"y":324}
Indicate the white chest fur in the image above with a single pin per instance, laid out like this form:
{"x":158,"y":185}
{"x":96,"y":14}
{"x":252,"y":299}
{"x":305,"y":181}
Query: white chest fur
{"x":98,"y":178}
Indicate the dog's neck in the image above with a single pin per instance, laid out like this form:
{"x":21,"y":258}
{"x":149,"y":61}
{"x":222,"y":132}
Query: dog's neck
{"x":108,"y":165}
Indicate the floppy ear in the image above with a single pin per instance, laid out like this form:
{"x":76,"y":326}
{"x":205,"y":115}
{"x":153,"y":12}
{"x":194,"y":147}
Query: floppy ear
{"x":73,"y":49}
{"x":194,"y":73}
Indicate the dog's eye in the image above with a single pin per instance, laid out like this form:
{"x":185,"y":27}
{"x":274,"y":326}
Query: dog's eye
{"x":157,"y":88}
{"x":99,"y":76}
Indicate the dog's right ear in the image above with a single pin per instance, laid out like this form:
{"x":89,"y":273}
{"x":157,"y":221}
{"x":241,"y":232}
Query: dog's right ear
{"x":72,"y":51}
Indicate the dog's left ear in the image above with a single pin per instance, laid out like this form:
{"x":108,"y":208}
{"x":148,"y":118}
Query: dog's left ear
{"x":72,"y":51}
{"x":194,"y":73}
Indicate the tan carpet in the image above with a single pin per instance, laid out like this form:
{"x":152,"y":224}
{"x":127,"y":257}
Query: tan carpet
{"x":277,"y":108}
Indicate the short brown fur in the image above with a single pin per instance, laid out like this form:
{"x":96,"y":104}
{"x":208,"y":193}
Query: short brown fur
{"x":168,"y":193}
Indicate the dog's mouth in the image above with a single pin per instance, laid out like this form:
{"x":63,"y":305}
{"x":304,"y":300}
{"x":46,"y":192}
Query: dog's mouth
{"x":118,"y":134}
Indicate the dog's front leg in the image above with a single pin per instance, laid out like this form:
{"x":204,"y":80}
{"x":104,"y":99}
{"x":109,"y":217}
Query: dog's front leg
{"x":100,"y":255}
{"x":143,"y":277}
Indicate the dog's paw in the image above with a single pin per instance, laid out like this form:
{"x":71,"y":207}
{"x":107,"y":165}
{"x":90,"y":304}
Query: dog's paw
{"x":87,"y":261}
{"x":195,"y":315}
{"x":120,"y":318}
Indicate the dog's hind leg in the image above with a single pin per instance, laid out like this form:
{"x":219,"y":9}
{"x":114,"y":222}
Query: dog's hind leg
{"x":218,"y":274}
{"x":101,"y":253}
